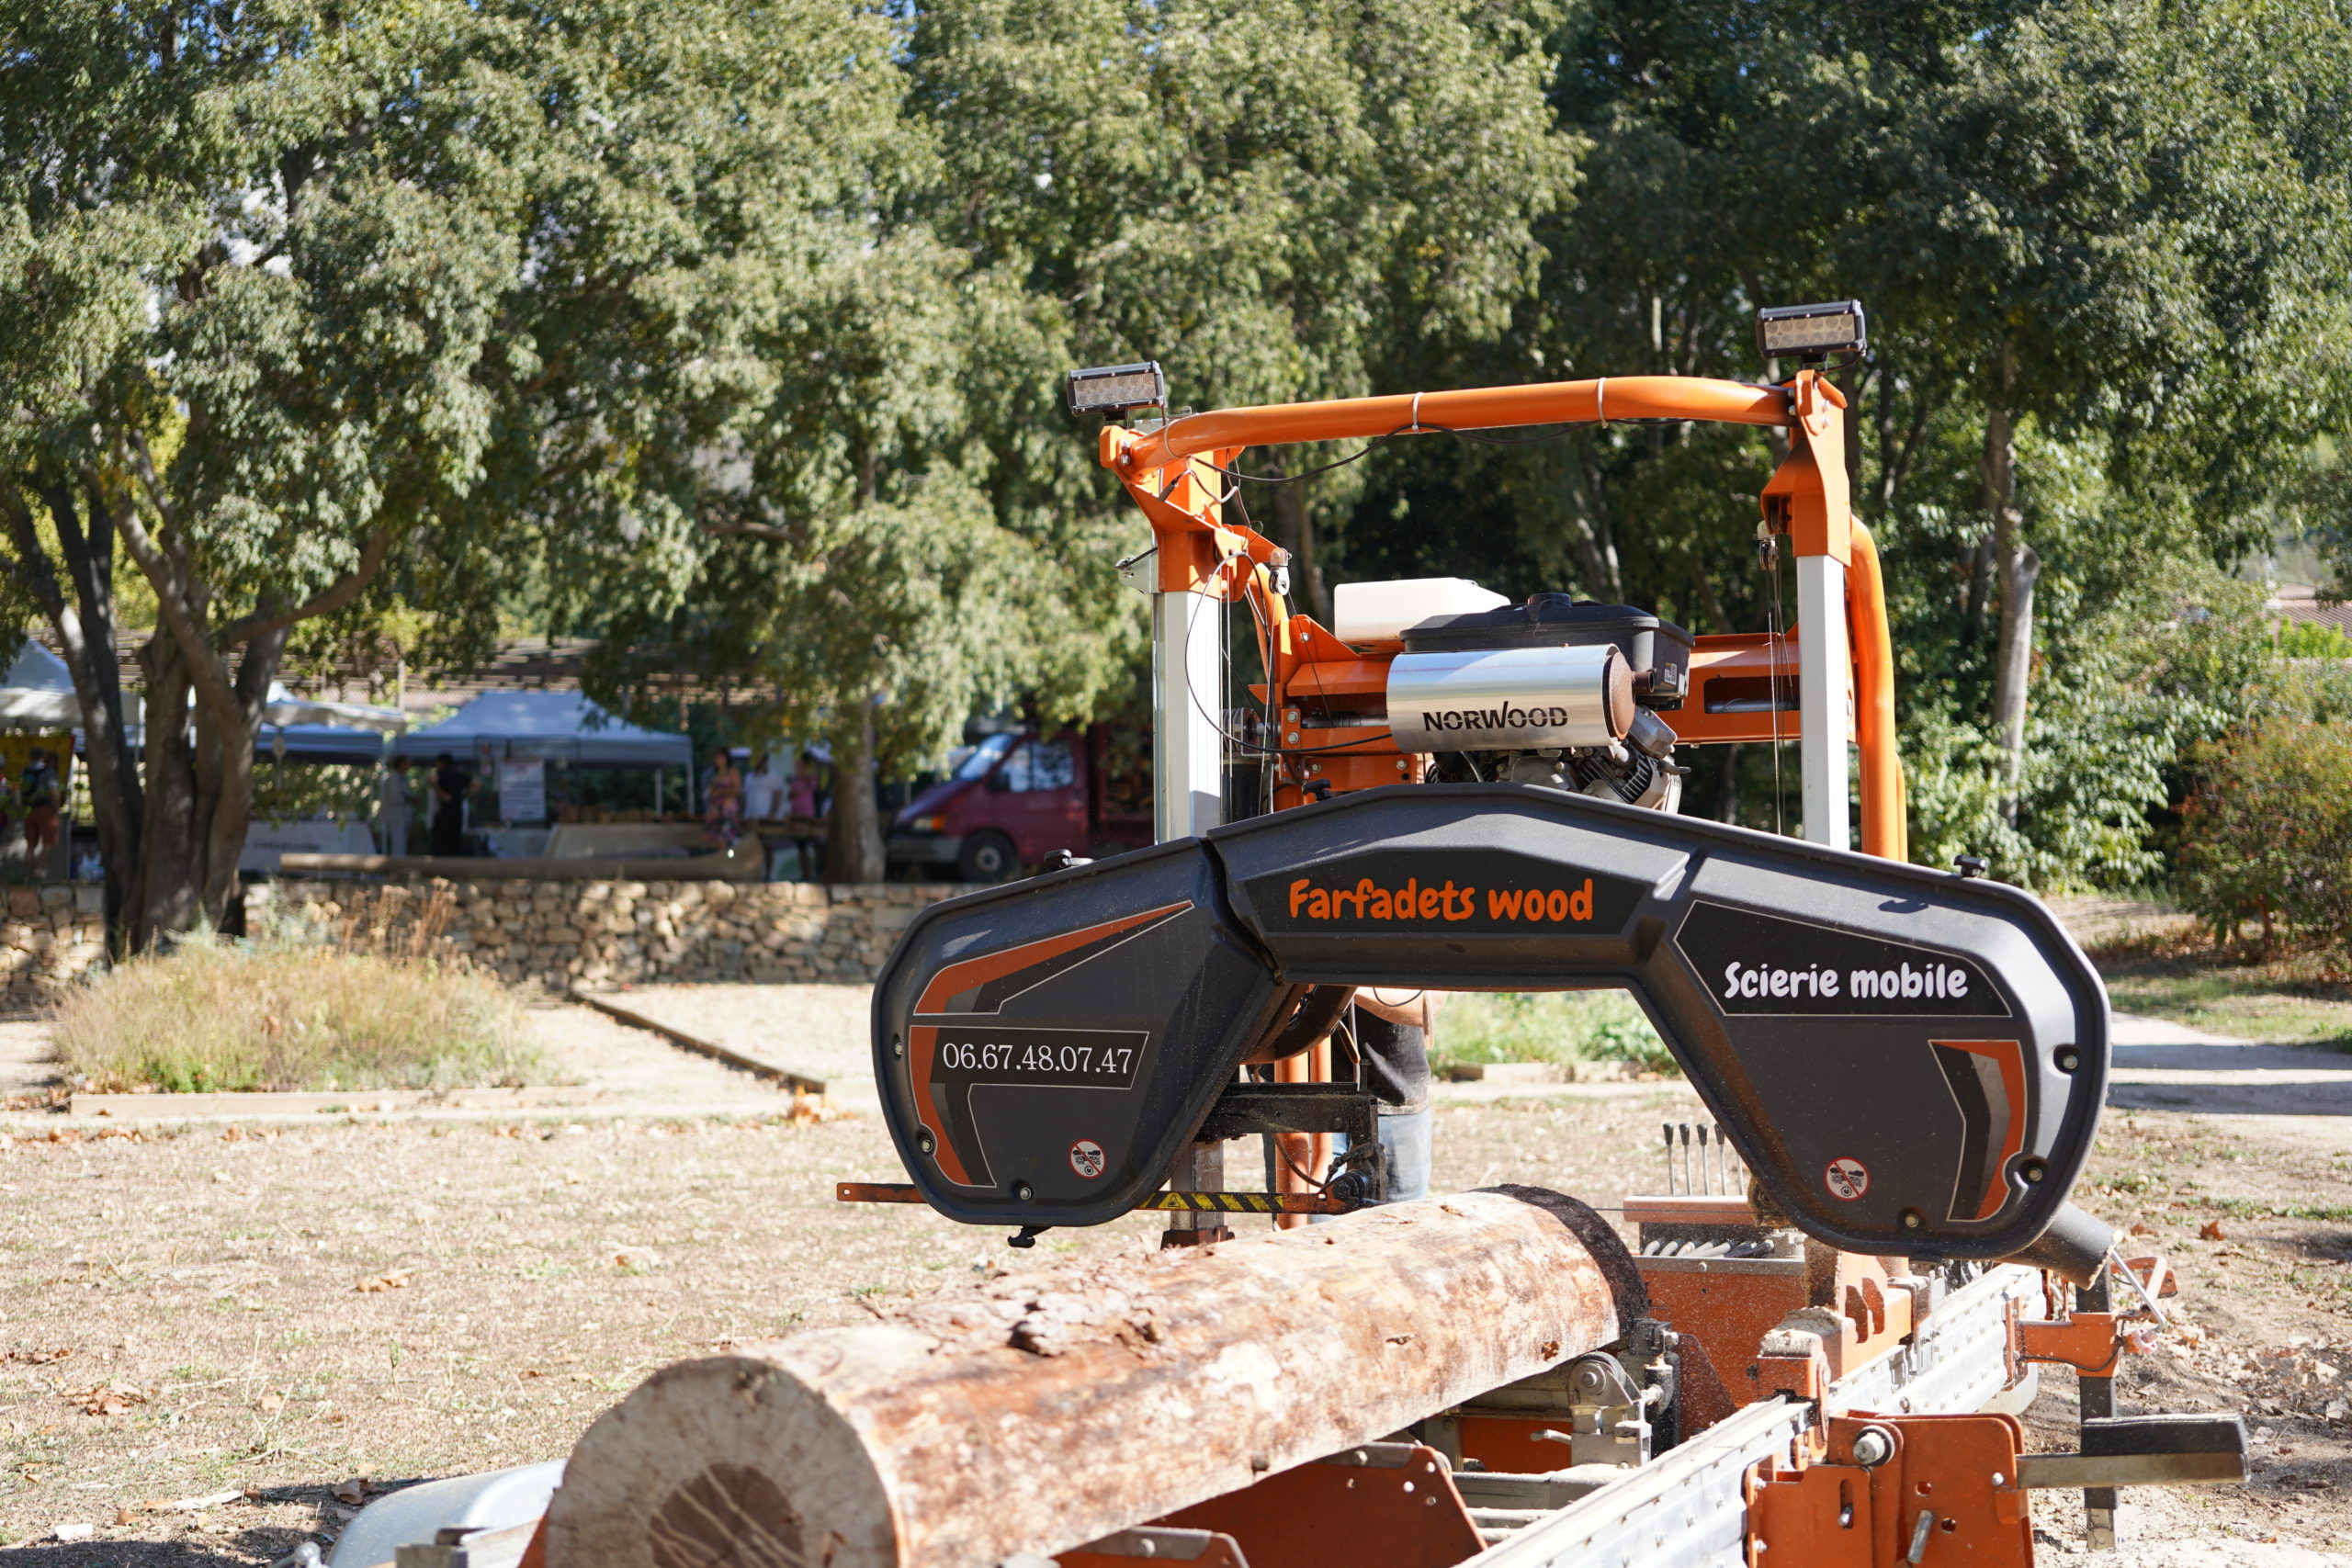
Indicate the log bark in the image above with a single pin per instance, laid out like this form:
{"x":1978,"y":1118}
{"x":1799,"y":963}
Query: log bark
{"x":1047,"y":1410}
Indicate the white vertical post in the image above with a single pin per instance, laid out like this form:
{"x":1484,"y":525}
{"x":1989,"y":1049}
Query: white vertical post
{"x":1187,"y":699}
{"x":1823,"y":662}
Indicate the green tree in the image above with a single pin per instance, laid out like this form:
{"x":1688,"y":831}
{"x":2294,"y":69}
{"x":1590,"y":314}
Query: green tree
{"x":310,"y":311}
{"x":2268,"y":833}
{"x":2131,"y":208}
{"x":1278,"y":199}
{"x":2118,"y":221}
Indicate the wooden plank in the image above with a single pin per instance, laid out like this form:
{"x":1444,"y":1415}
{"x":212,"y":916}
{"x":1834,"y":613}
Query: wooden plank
{"x":799,"y":1083}
{"x":1046,"y":1410}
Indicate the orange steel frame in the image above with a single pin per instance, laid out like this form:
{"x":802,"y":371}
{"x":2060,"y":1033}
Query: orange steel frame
{"x":1173,"y":474}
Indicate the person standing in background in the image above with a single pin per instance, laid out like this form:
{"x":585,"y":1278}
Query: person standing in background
{"x":764,"y":791}
{"x":1394,"y":1028}
{"x":803,"y":804}
{"x":42,"y":793}
{"x":451,"y":785}
{"x":722,"y":801}
{"x":395,"y":810}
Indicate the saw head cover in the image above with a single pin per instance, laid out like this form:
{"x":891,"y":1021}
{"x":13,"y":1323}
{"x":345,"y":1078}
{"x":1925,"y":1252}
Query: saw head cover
{"x":1909,"y":1063}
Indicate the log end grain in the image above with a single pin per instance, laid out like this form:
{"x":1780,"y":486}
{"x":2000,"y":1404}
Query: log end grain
{"x":734,"y":1459}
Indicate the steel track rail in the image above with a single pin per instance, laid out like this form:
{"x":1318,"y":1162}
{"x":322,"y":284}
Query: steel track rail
{"x":1686,"y":1508}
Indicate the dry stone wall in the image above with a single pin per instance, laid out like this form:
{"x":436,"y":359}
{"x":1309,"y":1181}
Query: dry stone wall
{"x":596,"y":934}
{"x":55,"y":932}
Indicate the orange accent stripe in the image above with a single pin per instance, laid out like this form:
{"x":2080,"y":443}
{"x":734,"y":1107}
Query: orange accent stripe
{"x":957,"y":978}
{"x":922,"y":1042}
{"x":2008,"y":1056}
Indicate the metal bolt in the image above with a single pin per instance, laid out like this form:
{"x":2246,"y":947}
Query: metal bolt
{"x":1022,"y":1192}
{"x":1874,"y":1446}
{"x":2068,"y":1059}
{"x":925,"y":1141}
{"x":1911,"y":1220}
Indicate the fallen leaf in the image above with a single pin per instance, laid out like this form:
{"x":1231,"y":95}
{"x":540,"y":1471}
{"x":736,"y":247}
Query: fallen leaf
{"x":39,"y":1357}
{"x":382,"y":1282}
{"x":2212,"y":1231}
{"x":2143,"y":1229}
{"x":270,"y":1403}
{"x":126,"y":1515}
{"x":351,"y":1491}
{"x":106,"y":1399}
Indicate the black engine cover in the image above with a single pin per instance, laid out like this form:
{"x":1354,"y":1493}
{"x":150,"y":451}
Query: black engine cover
{"x":1910,"y":1062}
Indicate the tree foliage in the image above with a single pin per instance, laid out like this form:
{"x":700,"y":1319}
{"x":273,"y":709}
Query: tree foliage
{"x":2268,"y":835}
{"x":320,"y":311}
{"x":732,"y":336}
{"x":2102,"y":248}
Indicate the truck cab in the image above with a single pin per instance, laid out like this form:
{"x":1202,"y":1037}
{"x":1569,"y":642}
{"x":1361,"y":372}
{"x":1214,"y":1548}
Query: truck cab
{"x":1013,"y":799}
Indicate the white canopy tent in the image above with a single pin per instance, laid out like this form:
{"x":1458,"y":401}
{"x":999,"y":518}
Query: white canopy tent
{"x":37,"y":693}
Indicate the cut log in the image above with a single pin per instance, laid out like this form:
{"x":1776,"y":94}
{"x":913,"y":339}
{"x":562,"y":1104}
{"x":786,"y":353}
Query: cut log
{"x":1047,"y":1410}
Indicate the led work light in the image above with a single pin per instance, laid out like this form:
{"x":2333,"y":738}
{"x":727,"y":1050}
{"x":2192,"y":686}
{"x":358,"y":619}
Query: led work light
{"x":1115,"y":388}
{"x":1810,"y":332}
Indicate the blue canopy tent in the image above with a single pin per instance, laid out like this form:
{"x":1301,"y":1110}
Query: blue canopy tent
{"x":559,"y":726}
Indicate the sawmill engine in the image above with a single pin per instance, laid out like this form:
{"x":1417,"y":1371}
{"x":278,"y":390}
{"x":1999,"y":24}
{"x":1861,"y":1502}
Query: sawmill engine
{"x":1556,"y":691}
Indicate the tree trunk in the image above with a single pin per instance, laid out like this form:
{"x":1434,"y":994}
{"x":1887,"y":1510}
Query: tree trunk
{"x":165,"y":896}
{"x":854,"y":848}
{"x":84,"y":627}
{"x":2018,"y":567}
{"x":1294,"y":531}
{"x":1595,"y":544}
{"x":225,"y":774}
{"x":1047,"y":1409}
{"x":1980,"y":591}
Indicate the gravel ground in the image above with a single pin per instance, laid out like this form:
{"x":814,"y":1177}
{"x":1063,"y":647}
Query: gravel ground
{"x":287,"y":1309}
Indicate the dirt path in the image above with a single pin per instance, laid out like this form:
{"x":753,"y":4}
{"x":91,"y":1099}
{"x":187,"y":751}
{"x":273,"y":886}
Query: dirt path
{"x":285,"y":1309}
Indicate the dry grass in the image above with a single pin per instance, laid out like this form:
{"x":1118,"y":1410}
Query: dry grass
{"x":352,"y":1007}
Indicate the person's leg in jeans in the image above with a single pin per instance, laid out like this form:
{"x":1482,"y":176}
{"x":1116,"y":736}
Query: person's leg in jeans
{"x":1404,"y":1147}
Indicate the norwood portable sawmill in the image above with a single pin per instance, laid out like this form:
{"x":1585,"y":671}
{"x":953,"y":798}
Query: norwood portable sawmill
{"x":1813,"y":1346}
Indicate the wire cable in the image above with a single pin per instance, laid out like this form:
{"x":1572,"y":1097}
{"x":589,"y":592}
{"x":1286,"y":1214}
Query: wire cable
{"x":1772,"y":628}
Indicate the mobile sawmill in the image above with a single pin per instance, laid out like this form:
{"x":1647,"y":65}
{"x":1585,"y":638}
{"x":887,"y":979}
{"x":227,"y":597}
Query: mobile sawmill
{"x":1811,"y":1348}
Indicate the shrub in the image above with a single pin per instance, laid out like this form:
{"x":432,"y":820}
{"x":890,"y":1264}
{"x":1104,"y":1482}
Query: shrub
{"x":2266,"y":834}
{"x":1548,"y":1026}
{"x":214,"y":1015}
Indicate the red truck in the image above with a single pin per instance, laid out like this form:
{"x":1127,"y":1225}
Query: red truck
{"x":1019,"y":796}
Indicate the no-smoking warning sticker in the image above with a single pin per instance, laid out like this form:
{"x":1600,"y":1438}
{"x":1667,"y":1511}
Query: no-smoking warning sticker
{"x":1847,"y":1179}
{"x":1086,"y":1157}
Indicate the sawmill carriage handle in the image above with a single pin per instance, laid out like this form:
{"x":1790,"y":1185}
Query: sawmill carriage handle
{"x":1176,"y":474}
